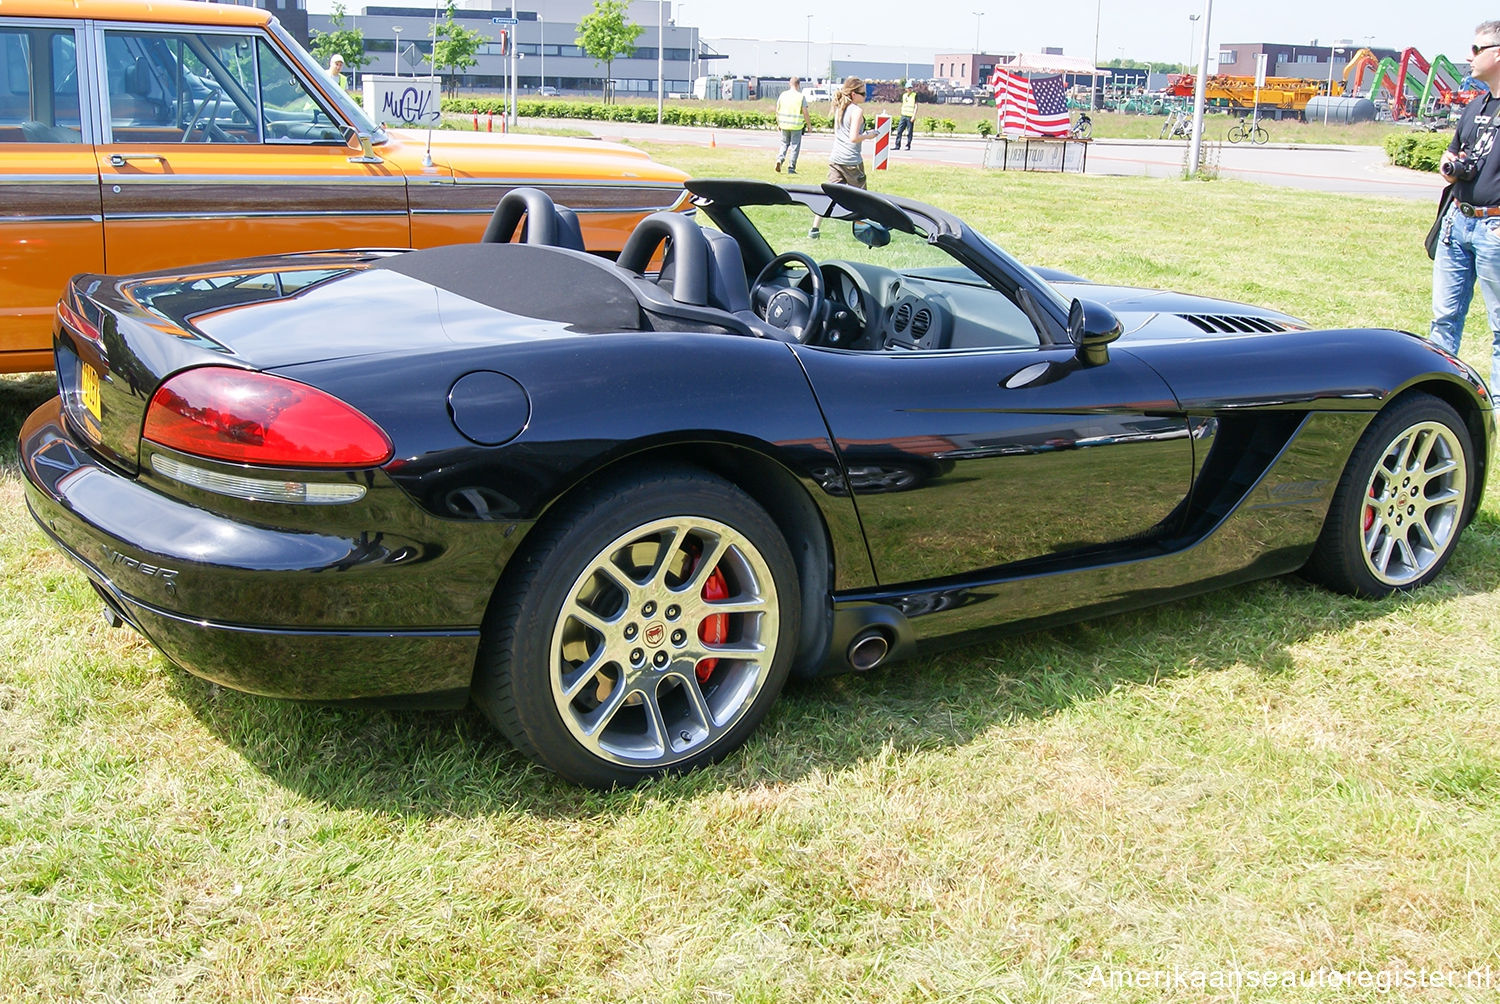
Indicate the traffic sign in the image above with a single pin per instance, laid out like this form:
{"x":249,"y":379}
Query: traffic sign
{"x":505,"y":20}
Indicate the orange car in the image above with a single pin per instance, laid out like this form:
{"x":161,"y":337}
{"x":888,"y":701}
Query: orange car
{"x":138,"y":136}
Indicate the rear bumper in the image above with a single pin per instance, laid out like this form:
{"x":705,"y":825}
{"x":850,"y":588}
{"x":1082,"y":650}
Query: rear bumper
{"x":171,"y":570}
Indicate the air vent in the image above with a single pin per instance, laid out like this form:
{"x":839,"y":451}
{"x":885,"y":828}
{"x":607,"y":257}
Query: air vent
{"x":903,"y":316}
{"x":921,"y":323}
{"x":1235,"y":323}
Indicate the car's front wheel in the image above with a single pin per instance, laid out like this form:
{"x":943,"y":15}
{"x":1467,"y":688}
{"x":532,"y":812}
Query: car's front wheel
{"x":1401,"y":503}
{"x":649,"y":629}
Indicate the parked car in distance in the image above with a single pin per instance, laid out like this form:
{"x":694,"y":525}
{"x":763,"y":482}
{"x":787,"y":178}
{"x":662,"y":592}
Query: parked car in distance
{"x":617,"y":506}
{"x":137,"y":136}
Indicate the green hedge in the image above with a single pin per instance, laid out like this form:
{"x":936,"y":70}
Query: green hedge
{"x":719,"y":118}
{"x":1420,"y":151}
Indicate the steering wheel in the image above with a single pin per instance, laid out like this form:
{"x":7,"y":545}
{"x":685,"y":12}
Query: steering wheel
{"x":208,"y":125}
{"x":787,"y":307}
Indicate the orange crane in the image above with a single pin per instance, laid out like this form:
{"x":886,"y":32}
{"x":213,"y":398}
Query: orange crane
{"x":1290,"y":93}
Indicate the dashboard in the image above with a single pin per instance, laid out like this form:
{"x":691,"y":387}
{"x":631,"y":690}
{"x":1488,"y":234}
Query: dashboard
{"x":875,"y":308}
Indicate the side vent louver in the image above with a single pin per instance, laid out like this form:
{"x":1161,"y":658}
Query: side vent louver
{"x":921,"y":323}
{"x":1234,"y":323}
{"x":903,"y":316}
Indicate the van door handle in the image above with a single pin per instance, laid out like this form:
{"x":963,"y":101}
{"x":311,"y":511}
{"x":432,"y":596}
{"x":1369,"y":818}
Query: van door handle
{"x":121,"y":159}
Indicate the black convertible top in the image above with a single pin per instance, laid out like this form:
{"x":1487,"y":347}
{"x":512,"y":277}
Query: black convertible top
{"x":554,"y":284}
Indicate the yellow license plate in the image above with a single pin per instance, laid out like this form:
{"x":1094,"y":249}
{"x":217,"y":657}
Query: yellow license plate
{"x":90,"y":383}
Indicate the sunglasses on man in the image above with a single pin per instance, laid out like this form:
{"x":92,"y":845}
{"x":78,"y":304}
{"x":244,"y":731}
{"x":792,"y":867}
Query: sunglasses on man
{"x":1477,"y":49}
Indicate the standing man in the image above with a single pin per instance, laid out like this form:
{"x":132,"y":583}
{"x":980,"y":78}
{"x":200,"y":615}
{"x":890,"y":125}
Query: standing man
{"x":791,"y":118}
{"x":908,"y":116}
{"x":336,"y":68}
{"x":1469,"y":248}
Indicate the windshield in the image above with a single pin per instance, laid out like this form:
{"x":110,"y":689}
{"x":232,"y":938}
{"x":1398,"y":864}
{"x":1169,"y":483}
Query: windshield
{"x":786,"y":228}
{"x":1042,"y":284}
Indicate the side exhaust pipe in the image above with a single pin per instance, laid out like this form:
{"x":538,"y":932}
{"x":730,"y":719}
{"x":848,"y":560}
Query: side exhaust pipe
{"x":869,"y":635}
{"x":868,"y":649}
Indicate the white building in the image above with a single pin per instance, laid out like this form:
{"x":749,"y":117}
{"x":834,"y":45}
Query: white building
{"x":543,"y":36}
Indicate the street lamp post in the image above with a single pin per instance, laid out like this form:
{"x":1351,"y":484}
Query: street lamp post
{"x":397,"y":30}
{"x":1192,"y":36}
{"x":1195,"y":144}
{"x":541,"y":47}
{"x":1328,"y":98}
{"x":978,"y":14}
{"x":807,"y":52}
{"x":692,"y":48}
{"x":1094,"y":78}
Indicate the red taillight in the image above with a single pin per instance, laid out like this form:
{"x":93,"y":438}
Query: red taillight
{"x":257,"y":418}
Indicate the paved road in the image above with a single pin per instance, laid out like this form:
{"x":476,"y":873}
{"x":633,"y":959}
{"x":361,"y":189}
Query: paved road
{"x":1353,"y":170}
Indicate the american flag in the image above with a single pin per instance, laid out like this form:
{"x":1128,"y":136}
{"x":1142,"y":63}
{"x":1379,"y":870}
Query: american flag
{"x":1036,"y":107}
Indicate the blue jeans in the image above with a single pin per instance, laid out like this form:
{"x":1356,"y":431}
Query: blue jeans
{"x":1468,"y":252}
{"x":791,"y":143}
{"x":904,"y":124}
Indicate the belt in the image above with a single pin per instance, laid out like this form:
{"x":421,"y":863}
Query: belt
{"x":1478,"y":212}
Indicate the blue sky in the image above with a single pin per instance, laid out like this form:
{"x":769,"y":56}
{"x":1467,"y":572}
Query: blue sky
{"x":1157,"y":30}
{"x":1138,"y":29}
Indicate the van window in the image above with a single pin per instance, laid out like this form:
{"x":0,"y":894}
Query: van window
{"x":174,"y":87}
{"x":39,"y":86}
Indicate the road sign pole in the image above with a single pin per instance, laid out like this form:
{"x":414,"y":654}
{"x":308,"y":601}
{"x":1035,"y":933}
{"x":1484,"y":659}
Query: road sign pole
{"x":882,"y":140}
{"x":510,"y":76}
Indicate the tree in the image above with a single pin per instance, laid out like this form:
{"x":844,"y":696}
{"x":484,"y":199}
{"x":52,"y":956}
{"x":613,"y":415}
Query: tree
{"x":347,"y":42}
{"x":606,"y":36}
{"x":454,"y":46}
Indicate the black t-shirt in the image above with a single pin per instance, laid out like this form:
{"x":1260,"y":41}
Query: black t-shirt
{"x":1477,"y":131}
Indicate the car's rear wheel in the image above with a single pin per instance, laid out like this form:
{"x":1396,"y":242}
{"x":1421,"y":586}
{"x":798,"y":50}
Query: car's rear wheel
{"x":651,"y":626}
{"x":1401,"y":503}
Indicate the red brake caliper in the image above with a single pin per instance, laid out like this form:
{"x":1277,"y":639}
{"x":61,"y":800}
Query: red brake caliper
{"x":1370,"y":511}
{"x":715,"y":628}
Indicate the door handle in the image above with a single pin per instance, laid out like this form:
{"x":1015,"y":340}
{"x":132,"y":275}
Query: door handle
{"x":121,"y":159}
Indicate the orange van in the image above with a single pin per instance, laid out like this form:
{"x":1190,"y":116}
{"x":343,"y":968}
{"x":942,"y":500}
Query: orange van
{"x":139,"y":136}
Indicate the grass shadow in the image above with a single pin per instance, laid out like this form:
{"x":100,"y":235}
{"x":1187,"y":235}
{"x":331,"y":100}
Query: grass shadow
{"x":426,"y":764}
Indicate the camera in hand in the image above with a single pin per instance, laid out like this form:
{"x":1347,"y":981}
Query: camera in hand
{"x":1464,"y":167}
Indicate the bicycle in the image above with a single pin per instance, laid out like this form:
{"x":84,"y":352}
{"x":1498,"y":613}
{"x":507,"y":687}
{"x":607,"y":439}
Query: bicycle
{"x":1177,"y":125}
{"x":1248,"y":131}
{"x":1083,"y":128}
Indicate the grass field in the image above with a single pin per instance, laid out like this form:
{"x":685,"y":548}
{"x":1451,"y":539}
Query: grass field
{"x":1274,"y":780}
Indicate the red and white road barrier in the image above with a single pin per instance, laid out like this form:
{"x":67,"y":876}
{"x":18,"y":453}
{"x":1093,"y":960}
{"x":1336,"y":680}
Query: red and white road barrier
{"x":882,"y":140}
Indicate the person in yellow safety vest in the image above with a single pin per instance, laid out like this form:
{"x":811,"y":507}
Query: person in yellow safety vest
{"x":908,"y":117}
{"x":791,"y":118}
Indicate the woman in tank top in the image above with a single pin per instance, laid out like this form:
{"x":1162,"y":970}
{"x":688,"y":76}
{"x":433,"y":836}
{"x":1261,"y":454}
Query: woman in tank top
{"x":846,"y":164}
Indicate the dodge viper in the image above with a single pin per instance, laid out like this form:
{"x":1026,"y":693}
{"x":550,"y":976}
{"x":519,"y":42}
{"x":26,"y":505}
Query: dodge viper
{"x":617,"y":503}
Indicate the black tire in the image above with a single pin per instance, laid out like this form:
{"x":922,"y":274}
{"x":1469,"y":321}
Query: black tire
{"x":1401,"y":503}
{"x":607,"y":662}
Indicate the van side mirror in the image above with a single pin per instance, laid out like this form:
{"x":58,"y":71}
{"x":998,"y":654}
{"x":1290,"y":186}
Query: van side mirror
{"x":366,"y":144}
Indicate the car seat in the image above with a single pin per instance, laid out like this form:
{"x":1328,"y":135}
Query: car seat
{"x":700,"y":267}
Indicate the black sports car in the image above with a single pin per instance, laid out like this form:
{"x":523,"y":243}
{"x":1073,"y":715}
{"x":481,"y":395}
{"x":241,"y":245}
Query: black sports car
{"x":617,"y":503}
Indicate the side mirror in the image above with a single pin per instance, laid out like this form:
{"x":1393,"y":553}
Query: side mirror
{"x":1091,"y":327}
{"x":366,"y":145}
{"x":871,"y":235}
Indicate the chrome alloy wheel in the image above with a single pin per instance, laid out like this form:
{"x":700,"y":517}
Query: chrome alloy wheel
{"x":664,"y":641}
{"x":1414,"y":503}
